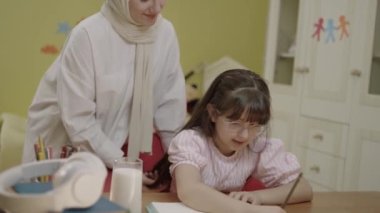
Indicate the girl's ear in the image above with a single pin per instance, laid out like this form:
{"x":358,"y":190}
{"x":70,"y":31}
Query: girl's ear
{"x":212,"y":112}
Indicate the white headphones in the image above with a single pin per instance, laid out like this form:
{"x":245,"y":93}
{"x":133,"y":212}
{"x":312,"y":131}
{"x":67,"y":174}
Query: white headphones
{"x":77,"y":182}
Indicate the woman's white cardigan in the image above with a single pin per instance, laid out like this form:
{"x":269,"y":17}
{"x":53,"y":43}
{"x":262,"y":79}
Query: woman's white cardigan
{"x":85,"y":96}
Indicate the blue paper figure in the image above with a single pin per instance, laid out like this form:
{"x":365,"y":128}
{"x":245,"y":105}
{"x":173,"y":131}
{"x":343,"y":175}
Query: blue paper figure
{"x":64,"y":27}
{"x":330,"y":29}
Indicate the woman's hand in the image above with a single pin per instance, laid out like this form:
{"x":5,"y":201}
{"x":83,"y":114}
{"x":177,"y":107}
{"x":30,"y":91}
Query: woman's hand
{"x":248,"y":197}
{"x":149,"y":177}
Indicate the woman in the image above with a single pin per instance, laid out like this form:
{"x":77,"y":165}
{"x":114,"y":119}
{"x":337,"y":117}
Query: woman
{"x":117,"y":77}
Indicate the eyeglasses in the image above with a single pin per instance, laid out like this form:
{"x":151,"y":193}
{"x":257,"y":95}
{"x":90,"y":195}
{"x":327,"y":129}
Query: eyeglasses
{"x":238,"y":126}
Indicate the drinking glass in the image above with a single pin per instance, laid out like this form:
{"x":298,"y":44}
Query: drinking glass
{"x":126,"y":184}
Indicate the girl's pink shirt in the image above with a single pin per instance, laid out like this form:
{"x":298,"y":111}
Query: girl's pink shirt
{"x":273,"y":166}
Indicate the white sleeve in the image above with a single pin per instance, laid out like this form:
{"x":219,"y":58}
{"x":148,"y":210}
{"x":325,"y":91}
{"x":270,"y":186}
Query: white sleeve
{"x":76,"y":97}
{"x":169,"y":116}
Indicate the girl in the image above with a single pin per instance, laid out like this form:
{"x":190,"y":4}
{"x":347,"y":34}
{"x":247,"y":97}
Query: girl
{"x":225,"y":142}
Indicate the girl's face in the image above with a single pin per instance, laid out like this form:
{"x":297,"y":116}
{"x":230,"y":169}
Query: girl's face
{"x":145,"y":12}
{"x":233,"y":135}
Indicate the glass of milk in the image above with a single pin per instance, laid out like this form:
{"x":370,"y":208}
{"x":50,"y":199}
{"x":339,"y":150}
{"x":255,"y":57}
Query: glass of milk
{"x":126,"y":184}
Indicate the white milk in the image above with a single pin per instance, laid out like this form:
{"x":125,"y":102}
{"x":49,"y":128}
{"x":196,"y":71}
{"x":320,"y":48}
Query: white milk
{"x":126,"y":188}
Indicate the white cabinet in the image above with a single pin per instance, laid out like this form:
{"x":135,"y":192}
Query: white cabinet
{"x":321,"y":148}
{"x":363,"y":168}
{"x":323,"y":70}
{"x":363,"y":154}
{"x":279,"y":62}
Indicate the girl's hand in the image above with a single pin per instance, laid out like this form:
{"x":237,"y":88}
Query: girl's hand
{"x":248,"y":197}
{"x":254,"y":200}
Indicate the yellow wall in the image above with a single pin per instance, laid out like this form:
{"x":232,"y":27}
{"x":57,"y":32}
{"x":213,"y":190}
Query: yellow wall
{"x":207,"y":30}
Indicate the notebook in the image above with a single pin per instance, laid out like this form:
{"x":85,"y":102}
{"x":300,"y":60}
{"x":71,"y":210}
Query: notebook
{"x":102,"y":205}
{"x":169,"y":207}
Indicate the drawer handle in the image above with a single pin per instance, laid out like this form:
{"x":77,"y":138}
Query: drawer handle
{"x":318,"y":137}
{"x":302,"y":70}
{"x":315,"y":169}
{"x":356,"y":73}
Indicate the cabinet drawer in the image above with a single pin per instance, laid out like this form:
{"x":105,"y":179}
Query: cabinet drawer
{"x":325,"y":136}
{"x":322,"y":168}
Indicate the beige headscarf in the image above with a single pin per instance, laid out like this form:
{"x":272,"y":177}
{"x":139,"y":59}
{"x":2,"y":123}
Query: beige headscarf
{"x":141,"y":123}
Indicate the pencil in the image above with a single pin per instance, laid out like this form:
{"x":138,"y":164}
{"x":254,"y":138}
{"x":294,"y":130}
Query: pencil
{"x":291,"y":191}
{"x":42,"y":156}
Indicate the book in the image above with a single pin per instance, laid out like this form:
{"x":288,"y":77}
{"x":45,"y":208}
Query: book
{"x":169,"y":207}
{"x":102,"y":205}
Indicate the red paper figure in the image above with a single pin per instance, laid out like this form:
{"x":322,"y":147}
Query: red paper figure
{"x":318,"y":29}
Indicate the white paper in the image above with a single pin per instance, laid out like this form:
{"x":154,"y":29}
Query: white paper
{"x":170,"y":207}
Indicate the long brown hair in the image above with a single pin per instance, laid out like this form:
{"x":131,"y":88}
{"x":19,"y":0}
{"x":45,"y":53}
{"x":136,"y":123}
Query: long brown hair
{"x":232,"y":93}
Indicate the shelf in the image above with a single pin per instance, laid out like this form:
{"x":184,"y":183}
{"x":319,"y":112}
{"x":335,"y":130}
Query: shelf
{"x":287,"y":55}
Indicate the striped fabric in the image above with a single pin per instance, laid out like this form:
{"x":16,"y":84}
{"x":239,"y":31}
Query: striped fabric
{"x":273,"y":166}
